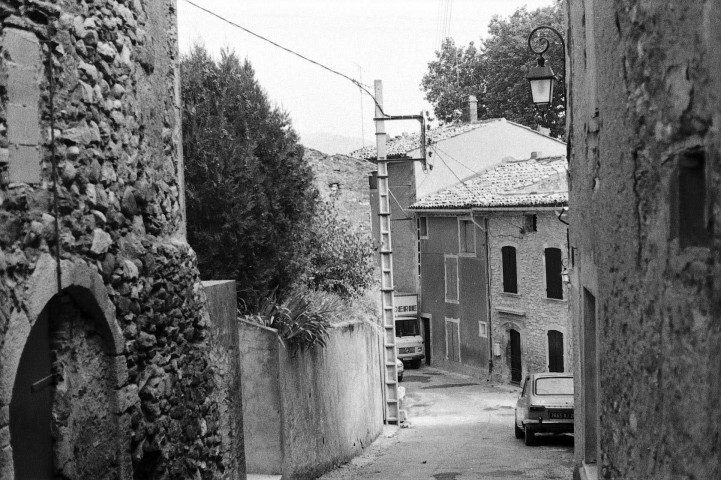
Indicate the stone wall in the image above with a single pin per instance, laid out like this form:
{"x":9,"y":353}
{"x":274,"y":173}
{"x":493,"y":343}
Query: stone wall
{"x":645,"y":170}
{"x":109,"y":90}
{"x":343,"y":180}
{"x":529,"y":311}
{"x":325,"y":404}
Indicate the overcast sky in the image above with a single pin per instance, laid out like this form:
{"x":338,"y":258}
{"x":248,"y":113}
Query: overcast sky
{"x":391,"y":40}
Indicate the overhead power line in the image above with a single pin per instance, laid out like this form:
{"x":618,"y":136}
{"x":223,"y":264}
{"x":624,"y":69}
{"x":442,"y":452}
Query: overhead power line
{"x":292,"y":52}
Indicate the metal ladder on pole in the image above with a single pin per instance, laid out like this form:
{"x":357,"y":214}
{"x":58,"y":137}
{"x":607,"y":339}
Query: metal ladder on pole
{"x":392,"y":407}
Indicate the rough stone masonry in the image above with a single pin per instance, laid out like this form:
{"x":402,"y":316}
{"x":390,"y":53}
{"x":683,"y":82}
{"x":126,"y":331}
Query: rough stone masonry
{"x":88,"y":88}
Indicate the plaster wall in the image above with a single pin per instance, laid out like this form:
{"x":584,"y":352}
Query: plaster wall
{"x":529,"y":311}
{"x":260,"y":369}
{"x":645,"y":94}
{"x":464,"y":336}
{"x":311,"y":412}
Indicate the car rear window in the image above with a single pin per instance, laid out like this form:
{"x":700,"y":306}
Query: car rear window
{"x":554,"y":386}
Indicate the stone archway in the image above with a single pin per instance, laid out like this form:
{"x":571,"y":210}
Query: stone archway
{"x":87,"y":360}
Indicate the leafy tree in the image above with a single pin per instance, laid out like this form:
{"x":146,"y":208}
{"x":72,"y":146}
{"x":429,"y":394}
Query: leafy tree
{"x":250,"y":197}
{"x":341,"y":260}
{"x":496,"y":73}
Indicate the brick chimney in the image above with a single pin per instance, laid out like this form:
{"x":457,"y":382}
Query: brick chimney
{"x":472,"y":109}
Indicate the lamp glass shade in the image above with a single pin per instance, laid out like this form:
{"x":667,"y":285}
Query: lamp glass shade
{"x":542,"y":90}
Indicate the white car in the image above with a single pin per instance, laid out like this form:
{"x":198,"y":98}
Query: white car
{"x":399,"y":367}
{"x":545,"y":406}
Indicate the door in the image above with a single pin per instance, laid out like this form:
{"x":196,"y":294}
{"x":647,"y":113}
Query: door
{"x":555,"y":351}
{"x":516,"y":369}
{"x":31,"y":407}
{"x":427,"y":338}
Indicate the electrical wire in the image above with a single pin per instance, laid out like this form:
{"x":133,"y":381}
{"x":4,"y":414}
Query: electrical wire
{"x":351,"y":79}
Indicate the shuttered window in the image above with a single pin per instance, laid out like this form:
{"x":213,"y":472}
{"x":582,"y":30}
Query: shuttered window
{"x":510,"y":282}
{"x":554,"y":266}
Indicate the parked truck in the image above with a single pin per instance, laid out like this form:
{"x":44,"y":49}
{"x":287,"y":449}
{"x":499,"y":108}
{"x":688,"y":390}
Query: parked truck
{"x":409,"y":340}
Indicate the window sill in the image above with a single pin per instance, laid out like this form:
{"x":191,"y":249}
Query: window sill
{"x":467,"y":254}
{"x":511,"y":311}
{"x":556,"y":300}
{"x":511,"y":294}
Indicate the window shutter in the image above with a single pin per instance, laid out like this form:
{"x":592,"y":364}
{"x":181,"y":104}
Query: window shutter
{"x":554,"y":283}
{"x":510,"y":282}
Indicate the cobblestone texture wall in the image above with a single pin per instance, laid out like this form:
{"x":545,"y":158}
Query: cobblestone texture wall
{"x":529,"y":311}
{"x":646,"y":98}
{"x":120,"y":206}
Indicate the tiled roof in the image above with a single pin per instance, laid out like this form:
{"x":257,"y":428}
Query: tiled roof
{"x":411,"y":141}
{"x":525,"y":183}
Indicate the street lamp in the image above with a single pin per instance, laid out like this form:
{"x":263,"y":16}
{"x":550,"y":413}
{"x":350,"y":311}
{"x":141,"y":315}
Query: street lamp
{"x":541,"y":77}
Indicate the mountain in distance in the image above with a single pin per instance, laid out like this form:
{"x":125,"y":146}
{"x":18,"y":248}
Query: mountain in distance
{"x":332,"y":143}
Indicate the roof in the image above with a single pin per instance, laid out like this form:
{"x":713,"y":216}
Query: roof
{"x":519,"y":183}
{"x":403,"y":144}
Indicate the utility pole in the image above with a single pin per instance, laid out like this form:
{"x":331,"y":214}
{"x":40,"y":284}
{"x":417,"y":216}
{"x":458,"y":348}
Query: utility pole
{"x":392,"y":407}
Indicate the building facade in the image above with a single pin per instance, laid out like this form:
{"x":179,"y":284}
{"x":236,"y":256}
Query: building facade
{"x":105,"y":350}
{"x":492,"y":253}
{"x":457,"y":151}
{"x":645,"y":169}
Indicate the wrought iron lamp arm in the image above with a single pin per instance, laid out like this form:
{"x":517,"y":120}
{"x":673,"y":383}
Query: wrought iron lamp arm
{"x":544,"y":47}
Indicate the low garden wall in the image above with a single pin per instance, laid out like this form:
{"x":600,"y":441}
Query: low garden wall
{"x":307,"y":413}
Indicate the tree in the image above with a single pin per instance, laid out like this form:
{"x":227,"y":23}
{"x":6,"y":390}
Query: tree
{"x":341,"y":260}
{"x":496,"y":74}
{"x":250,"y":197}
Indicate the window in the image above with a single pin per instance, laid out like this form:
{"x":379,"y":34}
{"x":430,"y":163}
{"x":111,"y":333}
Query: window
{"x":530,"y":223}
{"x":554,"y":266}
{"x":466,"y":236}
{"x":482,"y":329}
{"x":451,"y":274}
{"x":554,"y":386}
{"x":688,"y":216}
{"x":423,"y":227}
{"x":508,"y":257}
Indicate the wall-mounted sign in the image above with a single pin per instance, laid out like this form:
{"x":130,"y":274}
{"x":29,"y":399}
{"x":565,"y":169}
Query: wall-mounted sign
{"x":405,"y":305}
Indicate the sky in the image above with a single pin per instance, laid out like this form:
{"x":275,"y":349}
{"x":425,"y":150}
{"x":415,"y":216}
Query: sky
{"x":388,"y":40}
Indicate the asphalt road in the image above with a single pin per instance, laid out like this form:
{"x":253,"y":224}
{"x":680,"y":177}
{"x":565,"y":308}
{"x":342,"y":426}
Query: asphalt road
{"x":459,"y":428}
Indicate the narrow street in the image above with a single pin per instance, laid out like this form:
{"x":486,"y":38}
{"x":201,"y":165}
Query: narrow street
{"x":459,"y":428}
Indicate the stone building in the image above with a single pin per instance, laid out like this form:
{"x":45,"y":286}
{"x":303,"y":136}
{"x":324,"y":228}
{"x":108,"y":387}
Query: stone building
{"x":105,"y":342}
{"x":492,"y":250}
{"x":645,"y":170}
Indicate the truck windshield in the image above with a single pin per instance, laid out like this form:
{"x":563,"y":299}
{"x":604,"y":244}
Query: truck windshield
{"x":407,"y":328}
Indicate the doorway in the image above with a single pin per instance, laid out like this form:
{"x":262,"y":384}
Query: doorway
{"x":516,"y":368}
{"x":427,"y":337}
{"x":555,"y":351}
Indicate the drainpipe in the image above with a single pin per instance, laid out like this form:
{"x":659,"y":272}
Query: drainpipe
{"x":488,"y":296}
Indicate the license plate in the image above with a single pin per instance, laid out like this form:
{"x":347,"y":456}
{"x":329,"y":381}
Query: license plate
{"x":560,"y":415}
{"x":407,"y":350}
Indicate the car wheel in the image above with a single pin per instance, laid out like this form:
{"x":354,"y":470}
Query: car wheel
{"x":416,"y":364}
{"x":518,"y":431}
{"x":530,"y":437}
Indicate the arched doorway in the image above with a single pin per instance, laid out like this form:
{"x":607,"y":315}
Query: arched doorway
{"x":63,"y":363}
{"x":516,"y":365}
{"x":555,"y":351}
{"x":62,"y":421}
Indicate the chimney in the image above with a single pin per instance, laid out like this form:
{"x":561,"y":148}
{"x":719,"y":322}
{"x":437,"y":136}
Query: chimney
{"x":472,"y":109}
{"x":535,"y":155}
